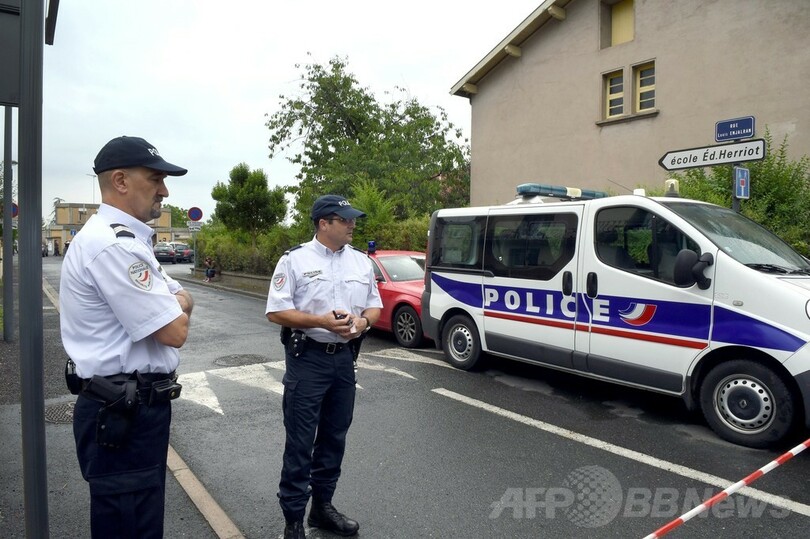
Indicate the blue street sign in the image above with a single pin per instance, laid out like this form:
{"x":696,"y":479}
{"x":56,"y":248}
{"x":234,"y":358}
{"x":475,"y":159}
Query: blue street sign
{"x":738,"y":128}
{"x":195,"y":213}
{"x":742,"y":183}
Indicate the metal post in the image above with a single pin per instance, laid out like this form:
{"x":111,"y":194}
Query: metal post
{"x":8,"y":234}
{"x":35,"y":478}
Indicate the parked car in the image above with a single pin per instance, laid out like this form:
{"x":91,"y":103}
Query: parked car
{"x":164,"y":252}
{"x":401,"y":281}
{"x":183,"y":253}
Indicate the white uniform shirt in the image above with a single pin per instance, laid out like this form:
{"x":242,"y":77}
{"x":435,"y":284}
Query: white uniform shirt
{"x":315,"y":280}
{"x":113,"y":295}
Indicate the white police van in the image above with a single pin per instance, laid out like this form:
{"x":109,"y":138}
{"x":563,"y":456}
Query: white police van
{"x":667,"y":294}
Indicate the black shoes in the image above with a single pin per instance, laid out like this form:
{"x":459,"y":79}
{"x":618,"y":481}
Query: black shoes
{"x":294,"y":530}
{"x":326,"y":517}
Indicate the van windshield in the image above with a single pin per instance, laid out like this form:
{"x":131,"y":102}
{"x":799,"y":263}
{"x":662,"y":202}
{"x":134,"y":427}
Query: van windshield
{"x":741,"y":238}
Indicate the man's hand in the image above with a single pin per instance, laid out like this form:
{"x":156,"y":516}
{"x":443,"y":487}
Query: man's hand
{"x":185,"y":301}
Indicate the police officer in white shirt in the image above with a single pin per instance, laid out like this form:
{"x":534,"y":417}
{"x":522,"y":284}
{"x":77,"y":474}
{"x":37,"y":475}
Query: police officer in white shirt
{"x":325,"y":293}
{"x":122,"y":320}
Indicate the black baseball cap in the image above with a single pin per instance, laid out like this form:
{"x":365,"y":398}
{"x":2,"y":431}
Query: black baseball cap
{"x":128,"y":152}
{"x":334,"y":204}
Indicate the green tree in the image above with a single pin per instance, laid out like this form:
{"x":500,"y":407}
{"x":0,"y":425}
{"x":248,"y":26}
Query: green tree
{"x":179,"y":215}
{"x":780,"y":192}
{"x":247,"y":205}
{"x":341,"y":136}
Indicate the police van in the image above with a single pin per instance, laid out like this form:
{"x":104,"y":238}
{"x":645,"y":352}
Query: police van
{"x":667,"y":294}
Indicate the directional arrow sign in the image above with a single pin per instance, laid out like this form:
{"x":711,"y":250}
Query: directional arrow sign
{"x":707,"y":156}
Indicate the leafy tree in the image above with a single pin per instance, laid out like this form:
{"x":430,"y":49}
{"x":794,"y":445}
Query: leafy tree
{"x":247,"y":205}
{"x":179,"y":215}
{"x":341,"y":136}
{"x":780,"y":192}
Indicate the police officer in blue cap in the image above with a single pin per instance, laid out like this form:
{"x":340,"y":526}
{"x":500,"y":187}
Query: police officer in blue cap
{"x":325,"y":294}
{"x":122,"y":320}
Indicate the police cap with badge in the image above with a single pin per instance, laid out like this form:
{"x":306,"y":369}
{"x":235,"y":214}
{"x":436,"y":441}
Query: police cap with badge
{"x":129,"y":152}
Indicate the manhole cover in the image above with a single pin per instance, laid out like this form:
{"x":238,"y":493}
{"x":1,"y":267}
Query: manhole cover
{"x":237,"y":360}
{"x":59,"y":413}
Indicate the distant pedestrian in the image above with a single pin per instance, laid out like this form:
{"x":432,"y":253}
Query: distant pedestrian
{"x":123,"y":319}
{"x":210,"y":269}
{"x":325,"y":294}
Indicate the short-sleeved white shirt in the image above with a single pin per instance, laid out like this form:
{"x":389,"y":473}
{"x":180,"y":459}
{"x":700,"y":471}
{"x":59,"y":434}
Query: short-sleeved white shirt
{"x":314,"y":279}
{"x":113,"y":295}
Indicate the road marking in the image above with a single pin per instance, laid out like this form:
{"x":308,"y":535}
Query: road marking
{"x":404,"y":355}
{"x":677,"y":469}
{"x":196,"y":387}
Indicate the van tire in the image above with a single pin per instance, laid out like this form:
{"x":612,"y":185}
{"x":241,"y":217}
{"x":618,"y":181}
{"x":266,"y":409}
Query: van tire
{"x":747,"y":403}
{"x":407,"y":327}
{"x":461,"y":344}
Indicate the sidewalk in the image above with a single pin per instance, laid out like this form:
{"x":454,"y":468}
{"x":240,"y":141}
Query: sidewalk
{"x":68,"y":494}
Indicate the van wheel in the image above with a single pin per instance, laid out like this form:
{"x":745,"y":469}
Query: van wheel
{"x":748,"y":404}
{"x":462,"y":347}
{"x":407,"y":327}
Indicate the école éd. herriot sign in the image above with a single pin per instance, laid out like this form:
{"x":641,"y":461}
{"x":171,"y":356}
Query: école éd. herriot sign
{"x":707,"y":156}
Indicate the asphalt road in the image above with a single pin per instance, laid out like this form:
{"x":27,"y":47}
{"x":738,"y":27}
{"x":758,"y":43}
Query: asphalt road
{"x":508,"y":451}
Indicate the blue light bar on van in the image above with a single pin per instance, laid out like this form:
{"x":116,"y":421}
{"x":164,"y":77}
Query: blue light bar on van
{"x":559,"y":191}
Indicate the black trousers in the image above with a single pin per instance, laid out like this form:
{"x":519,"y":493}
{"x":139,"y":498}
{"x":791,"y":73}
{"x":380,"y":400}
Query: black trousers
{"x":318,"y":408}
{"x":127,"y":485}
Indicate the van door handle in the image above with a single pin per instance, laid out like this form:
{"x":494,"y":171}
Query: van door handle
{"x":568,"y":283}
{"x":592,"y":285}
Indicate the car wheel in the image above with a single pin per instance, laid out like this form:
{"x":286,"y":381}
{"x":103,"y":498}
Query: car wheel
{"x":461,"y":344}
{"x":407,"y":327}
{"x":748,"y":404}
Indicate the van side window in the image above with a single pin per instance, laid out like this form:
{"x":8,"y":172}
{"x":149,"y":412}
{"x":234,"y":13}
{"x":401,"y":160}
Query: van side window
{"x":640,"y":242}
{"x":458,"y":242}
{"x":530,"y":246}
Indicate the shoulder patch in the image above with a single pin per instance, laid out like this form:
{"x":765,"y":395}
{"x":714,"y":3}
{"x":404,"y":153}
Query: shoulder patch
{"x":288,"y":251}
{"x":122,"y":231}
{"x":141,"y":275}
{"x":359,"y":250}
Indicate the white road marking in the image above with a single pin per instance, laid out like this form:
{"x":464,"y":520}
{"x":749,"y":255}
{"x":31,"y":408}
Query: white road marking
{"x":683,"y":471}
{"x":197,"y":390}
{"x":367,"y":364}
{"x":403,"y":354}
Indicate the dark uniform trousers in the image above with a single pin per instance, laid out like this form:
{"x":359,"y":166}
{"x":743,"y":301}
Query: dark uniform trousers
{"x":318,"y":407}
{"x":127,"y":485}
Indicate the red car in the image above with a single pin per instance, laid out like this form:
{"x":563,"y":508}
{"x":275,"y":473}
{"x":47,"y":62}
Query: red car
{"x":401,"y":280}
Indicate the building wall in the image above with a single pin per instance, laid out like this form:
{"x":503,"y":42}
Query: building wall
{"x":538,"y":118}
{"x":70,"y":217}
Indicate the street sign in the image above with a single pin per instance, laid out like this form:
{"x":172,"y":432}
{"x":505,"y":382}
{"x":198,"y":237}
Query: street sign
{"x":738,"y":128}
{"x":742,"y":183}
{"x":195,"y":213}
{"x":15,"y":210}
{"x":194,"y":226}
{"x":707,"y":156}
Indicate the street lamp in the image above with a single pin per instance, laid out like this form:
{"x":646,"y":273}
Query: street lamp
{"x":93,"y":186}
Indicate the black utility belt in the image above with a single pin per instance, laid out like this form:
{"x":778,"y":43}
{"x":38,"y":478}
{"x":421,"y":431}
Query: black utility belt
{"x":131,"y":388}
{"x":328,"y":347}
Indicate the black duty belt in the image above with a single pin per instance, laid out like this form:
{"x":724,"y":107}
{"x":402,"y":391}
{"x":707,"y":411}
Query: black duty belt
{"x":328,"y":347}
{"x":150,"y":387}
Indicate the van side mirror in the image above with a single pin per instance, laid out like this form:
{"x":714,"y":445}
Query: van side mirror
{"x":689,"y":269}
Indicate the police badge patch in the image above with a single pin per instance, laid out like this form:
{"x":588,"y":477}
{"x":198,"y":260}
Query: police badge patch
{"x":141,"y":275}
{"x":278,"y":280}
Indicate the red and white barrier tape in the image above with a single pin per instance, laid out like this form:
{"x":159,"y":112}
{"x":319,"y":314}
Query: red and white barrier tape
{"x":663,"y":530}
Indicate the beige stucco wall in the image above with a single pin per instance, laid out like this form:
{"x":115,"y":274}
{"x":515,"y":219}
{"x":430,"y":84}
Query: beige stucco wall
{"x":537,"y":118}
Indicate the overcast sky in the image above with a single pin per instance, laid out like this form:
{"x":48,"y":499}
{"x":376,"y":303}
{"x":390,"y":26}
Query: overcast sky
{"x":197,"y":77}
